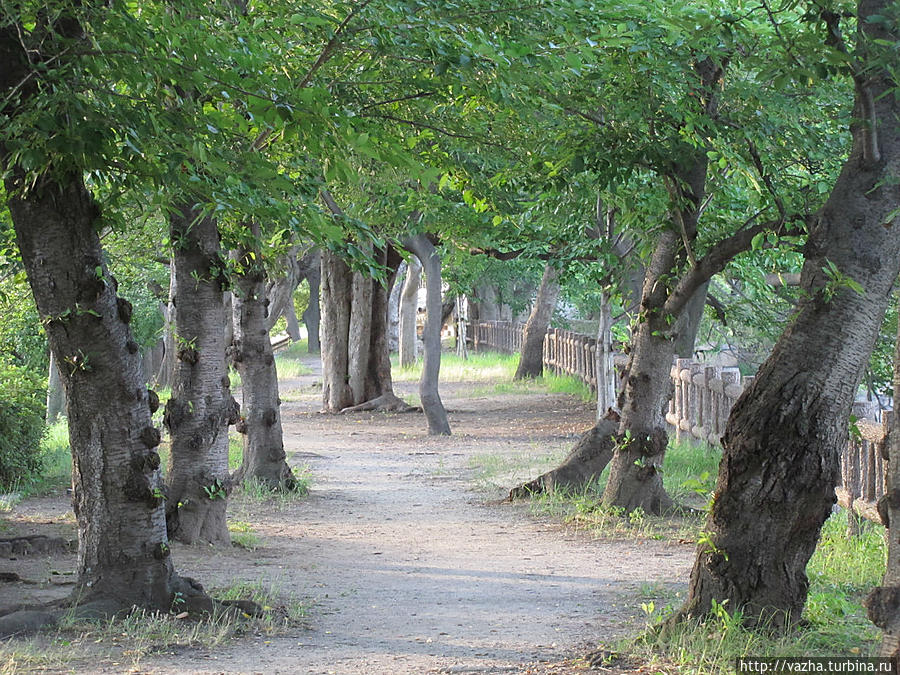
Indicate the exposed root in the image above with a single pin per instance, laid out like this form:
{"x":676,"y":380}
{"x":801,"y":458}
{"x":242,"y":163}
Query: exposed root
{"x":384,"y":403}
{"x":584,"y":463}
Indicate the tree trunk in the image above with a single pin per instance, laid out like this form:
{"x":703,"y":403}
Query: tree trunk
{"x":166,"y":371}
{"x":394,"y":311}
{"x":689,"y":323}
{"x":781,"y":448}
{"x":337,"y":282}
{"x":607,"y":382}
{"x":424,"y":250}
{"x":251,"y":352}
{"x":280,"y":291}
{"x":201,"y":407}
{"x":311,"y":315}
{"x":409,"y":300}
{"x":531,"y":362}
{"x":379,"y":386}
{"x":56,"y":396}
{"x":360,"y":337}
{"x":123,"y":552}
{"x":883,"y":603}
{"x":290,"y":318}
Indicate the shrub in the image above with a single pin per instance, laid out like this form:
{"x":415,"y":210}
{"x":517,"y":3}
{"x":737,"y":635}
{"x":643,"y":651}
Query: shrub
{"x":21,"y":424}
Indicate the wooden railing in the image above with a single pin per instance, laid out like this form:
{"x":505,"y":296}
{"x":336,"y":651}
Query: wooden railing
{"x":565,"y":352}
{"x":701,"y":402}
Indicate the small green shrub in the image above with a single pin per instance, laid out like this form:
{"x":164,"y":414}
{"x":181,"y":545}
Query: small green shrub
{"x":21,"y":425}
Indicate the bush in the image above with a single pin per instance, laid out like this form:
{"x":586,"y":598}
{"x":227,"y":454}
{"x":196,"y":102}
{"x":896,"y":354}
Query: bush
{"x":21,"y":424}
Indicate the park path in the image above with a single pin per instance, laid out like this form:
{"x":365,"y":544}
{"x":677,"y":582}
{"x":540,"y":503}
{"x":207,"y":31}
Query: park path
{"x":410,"y":569}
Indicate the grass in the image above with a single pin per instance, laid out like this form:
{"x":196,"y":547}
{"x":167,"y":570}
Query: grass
{"x":841,"y":572}
{"x":479,"y":367}
{"x":125,"y":642}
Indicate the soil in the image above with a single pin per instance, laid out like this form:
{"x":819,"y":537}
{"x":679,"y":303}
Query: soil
{"x":407,"y":559}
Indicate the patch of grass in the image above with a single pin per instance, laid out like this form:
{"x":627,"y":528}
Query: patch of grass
{"x":566,"y":384}
{"x":842,"y":572}
{"x":294,"y":350}
{"x":511,"y":387}
{"x":126,"y":641}
{"x":235,"y":450}
{"x":690,"y":470}
{"x":479,"y":367}
{"x":255,"y":491}
{"x":291,"y":368}
{"x":504,"y":471}
{"x":242,"y":535}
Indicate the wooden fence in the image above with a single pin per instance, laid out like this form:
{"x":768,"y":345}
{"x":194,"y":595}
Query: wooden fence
{"x":565,"y":352}
{"x":701,"y":402}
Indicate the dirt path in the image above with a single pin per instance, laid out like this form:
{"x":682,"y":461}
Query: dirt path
{"x":408,"y":568}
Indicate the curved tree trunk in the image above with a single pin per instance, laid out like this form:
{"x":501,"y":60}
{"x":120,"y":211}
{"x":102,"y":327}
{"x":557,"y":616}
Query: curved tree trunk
{"x":123,"y":552}
{"x":251,"y":352}
{"x":781,"y":449}
{"x":409,"y":297}
{"x":201,"y":407}
{"x":337,"y":283}
{"x":531,"y":361}
{"x":424,"y":250}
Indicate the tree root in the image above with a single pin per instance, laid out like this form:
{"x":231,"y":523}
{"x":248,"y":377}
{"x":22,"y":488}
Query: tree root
{"x":585,"y":462}
{"x":384,"y":403}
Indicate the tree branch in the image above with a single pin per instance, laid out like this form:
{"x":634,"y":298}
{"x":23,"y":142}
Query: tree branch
{"x":715,"y":261}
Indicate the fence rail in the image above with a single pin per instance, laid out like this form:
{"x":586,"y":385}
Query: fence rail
{"x":701,"y":402}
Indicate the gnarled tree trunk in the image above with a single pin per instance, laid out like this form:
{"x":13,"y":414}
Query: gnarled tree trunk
{"x":781,"y":449}
{"x":56,"y":396}
{"x":123,"y":552}
{"x":264,"y":458}
{"x":166,"y":370}
{"x":201,"y":407}
{"x":531,"y":360}
{"x":424,"y":250}
{"x":360,"y":337}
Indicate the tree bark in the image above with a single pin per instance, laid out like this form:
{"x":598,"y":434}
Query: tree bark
{"x":360,"y":337}
{"x":435,"y":414}
{"x":201,"y":407}
{"x":531,"y":361}
{"x":379,"y":386}
{"x":409,"y":297}
{"x":264,"y":458}
{"x":123,"y":551}
{"x":337,"y":281}
{"x":781,"y":448}
{"x":394,"y":310}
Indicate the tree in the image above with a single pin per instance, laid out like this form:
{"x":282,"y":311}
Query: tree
{"x":123,"y":556}
{"x":251,"y":353}
{"x":409,"y":307}
{"x":780,"y":461}
{"x":531,"y":359}
{"x":420,"y":246}
{"x":201,"y":408}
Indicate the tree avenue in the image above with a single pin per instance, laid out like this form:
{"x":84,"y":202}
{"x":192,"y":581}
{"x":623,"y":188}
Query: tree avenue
{"x":645,"y":155}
